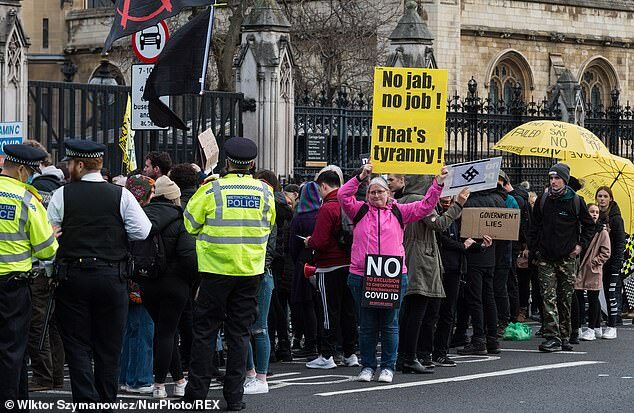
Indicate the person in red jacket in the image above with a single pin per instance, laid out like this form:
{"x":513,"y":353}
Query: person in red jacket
{"x":332,"y":262}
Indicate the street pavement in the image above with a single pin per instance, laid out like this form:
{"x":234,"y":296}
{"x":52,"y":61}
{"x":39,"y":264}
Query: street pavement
{"x":596,"y":376}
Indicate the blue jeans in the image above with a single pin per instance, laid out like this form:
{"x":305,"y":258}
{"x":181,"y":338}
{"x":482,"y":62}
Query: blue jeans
{"x":136,"y":352}
{"x":371,"y":322}
{"x":260,"y":328}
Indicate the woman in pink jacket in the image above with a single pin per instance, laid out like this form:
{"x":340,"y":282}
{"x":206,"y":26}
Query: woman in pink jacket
{"x":380,"y":231}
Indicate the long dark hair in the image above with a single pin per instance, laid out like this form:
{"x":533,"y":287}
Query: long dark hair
{"x":612,"y":202}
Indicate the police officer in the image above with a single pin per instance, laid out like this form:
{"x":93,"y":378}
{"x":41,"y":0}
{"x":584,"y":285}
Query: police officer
{"x":232,"y":218}
{"x":97,"y":219}
{"x":24,"y":233}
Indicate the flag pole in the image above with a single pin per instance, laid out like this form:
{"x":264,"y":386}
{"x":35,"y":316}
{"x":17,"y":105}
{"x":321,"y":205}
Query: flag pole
{"x":210,"y":29}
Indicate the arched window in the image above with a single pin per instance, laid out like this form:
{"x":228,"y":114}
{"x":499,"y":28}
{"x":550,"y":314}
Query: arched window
{"x":509,"y":70}
{"x":598,"y":78}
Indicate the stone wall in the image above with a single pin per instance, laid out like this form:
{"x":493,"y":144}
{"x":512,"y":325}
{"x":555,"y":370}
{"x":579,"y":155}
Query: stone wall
{"x":537,"y":29}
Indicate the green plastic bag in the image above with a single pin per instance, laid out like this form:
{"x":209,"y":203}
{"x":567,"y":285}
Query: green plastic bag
{"x":517,"y":332}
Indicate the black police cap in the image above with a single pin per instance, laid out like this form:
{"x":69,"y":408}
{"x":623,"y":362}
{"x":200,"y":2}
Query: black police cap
{"x":241,"y":151}
{"x":24,"y":155}
{"x":76,"y":148}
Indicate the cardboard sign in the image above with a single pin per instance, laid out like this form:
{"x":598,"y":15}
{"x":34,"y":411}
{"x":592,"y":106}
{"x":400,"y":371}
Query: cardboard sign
{"x":498,"y":223}
{"x":408,"y":120}
{"x":382,"y":281}
{"x":477,"y":175}
{"x":207,"y":141}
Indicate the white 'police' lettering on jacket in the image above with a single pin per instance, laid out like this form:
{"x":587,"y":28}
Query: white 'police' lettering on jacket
{"x":243,"y":201}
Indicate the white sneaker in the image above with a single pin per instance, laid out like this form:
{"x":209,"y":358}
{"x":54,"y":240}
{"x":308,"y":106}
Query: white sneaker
{"x":587,"y":334}
{"x":322,"y":363}
{"x":609,"y":333}
{"x":141,"y":390}
{"x":256,"y":386}
{"x":598,"y":332}
{"x":351,"y":361}
{"x":366,"y":375}
{"x":386,"y":376}
{"x":159,"y":393}
{"x":179,"y":389}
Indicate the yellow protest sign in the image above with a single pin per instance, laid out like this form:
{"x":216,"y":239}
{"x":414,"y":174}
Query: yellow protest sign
{"x":408,"y":120}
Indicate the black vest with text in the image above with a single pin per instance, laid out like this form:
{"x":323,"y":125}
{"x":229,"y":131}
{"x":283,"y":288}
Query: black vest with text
{"x":92,"y":226}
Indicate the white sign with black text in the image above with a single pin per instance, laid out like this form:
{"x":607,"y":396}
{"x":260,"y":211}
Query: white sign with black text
{"x":477,"y":175}
{"x":140,"y":114}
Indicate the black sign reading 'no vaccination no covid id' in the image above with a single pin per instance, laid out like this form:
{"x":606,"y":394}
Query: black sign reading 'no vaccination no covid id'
{"x":382,"y":281}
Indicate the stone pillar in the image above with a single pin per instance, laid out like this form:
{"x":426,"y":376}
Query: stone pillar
{"x":567,"y":93}
{"x":13,"y":65}
{"x":443,"y":18}
{"x":264,"y":74}
{"x":411,"y":41}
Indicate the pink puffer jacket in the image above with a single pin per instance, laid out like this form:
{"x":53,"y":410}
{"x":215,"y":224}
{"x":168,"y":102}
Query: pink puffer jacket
{"x":381,"y":221}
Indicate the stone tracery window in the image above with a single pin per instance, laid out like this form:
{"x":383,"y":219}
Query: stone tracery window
{"x":595,"y":86}
{"x":510,"y":70}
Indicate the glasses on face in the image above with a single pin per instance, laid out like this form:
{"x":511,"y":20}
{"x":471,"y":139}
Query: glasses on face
{"x":377,"y":193}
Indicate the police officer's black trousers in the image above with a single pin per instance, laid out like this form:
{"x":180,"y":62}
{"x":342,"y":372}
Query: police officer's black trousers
{"x":91,"y":310}
{"x":234,"y":301}
{"x":15,"y":316}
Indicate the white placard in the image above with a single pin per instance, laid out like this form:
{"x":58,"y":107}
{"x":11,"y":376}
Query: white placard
{"x":477,"y":175}
{"x":140,"y":114}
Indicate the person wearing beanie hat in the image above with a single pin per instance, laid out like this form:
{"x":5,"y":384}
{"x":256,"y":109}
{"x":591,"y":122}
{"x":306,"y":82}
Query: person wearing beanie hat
{"x":561,"y":170}
{"x":560,"y":230}
{"x":142,"y":187}
{"x":165,"y":187}
{"x":166,"y":296}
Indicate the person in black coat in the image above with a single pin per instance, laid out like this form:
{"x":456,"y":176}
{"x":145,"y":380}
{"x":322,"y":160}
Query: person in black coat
{"x":610,"y":216}
{"x":479,"y":295}
{"x":302,"y":226}
{"x":165,"y":298}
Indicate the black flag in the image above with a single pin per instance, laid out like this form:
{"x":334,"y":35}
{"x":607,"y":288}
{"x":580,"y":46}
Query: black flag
{"x":131,"y":16}
{"x":178,"y":70}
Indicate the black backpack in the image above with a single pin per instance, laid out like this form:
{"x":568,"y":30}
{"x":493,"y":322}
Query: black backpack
{"x":347,"y":226}
{"x":148,"y":258}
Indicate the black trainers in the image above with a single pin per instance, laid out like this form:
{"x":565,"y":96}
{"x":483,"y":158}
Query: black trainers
{"x":426,"y":361}
{"x":306,"y":352}
{"x":574,"y":339}
{"x":415,"y":367}
{"x":475,"y":348}
{"x":443,"y":361}
{"x":566,"y":345}
{"x":539,"y":333}
{"x":297,"y":344}
{"x":551,"y":345}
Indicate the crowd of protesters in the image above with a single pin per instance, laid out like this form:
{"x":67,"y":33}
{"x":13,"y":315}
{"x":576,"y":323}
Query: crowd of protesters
{"x":309,"y":301}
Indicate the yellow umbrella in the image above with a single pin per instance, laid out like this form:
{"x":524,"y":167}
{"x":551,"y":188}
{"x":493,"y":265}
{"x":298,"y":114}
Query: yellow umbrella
{"x":614,"y":172}
{"x":552,"y":139}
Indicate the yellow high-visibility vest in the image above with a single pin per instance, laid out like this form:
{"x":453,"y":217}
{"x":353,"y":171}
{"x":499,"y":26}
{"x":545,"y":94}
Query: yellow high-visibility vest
{"x":25,"y":231}
{"x":232,"y":219}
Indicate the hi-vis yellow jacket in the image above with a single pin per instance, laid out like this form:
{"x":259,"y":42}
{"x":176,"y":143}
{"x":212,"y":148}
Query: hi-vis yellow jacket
{"x":24,"y":227}
{"x":232,"y":218}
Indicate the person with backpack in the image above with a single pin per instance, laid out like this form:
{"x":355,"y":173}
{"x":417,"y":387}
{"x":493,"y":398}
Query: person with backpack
{"x":332,"y":259}
{"x":302,"y":293}
{"x":425,"y":290}
{"x":612,"y":284}
{"x":137,"y":359}
{"x":168,"y":257}
{"x":561,"y":228}
{"x":590,"y":277}
{"x":379,"y":230}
